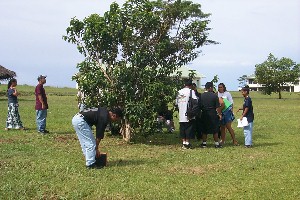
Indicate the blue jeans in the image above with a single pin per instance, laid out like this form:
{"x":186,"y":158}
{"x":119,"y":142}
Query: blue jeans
{"x":41,"y":116}
{"x":248,"y":133}
{"x":86,"y":139}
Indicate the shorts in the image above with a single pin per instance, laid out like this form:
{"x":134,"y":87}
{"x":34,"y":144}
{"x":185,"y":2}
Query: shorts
{"x":185,"y":129}
{"x":227,"y":117}
{"x":210,"y":122}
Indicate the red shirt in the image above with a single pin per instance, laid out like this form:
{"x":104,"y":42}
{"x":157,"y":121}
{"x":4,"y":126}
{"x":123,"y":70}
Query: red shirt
{"x":39,"y":90}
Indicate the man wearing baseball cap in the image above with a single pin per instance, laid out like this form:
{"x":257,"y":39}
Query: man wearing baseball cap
{"x":41,"y":105}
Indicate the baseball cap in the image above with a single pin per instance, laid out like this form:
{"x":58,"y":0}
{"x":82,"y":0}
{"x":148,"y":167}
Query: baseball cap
{"x":41,"y":77}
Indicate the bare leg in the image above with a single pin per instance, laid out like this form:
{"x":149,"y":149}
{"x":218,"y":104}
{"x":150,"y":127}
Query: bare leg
{"x":231,"y":131}
{"x":223,"y":134}
{"x":204,"y":137}
{"x":216,"y":138}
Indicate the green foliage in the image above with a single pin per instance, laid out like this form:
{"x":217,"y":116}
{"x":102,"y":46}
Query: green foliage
{"x":242,"y":80}
{"x":274,"y":73}
{"x":132,"y":52}
{"x":214,"y":81}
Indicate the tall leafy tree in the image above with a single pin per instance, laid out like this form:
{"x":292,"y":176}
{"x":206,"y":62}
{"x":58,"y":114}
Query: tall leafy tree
{"x":275,"y":73}
{"x":132,"y":53}
{"x":215,"y":80}
{"x":242,"y":80}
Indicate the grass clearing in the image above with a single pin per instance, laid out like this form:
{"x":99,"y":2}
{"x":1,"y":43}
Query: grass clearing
{"x":52,"y":166}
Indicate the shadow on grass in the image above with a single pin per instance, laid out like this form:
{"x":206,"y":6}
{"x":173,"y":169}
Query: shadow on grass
{"x":160,"y":139}
{"x":65,"y":132}
{"x":20,"y":99}
{"x":266,"y":144}
{"x":122,"y":162}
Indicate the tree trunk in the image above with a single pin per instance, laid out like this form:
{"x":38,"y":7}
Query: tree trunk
{"x":279,"y":93}
{"x":126,"y":130}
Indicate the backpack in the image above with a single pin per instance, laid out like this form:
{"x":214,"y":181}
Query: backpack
{"x":193,"y":109}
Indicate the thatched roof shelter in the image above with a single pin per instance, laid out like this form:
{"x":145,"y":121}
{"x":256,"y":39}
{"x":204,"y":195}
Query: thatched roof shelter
{"x":6,"y":74}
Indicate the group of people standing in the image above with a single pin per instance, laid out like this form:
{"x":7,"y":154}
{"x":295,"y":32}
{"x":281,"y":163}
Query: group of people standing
{"x":13,"y":120}
{"x":216,"y":115}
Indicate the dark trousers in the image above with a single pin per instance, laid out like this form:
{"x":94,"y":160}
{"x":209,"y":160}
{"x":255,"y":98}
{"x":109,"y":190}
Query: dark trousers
{"x":197,"y":128}
{"x":186,"y":129}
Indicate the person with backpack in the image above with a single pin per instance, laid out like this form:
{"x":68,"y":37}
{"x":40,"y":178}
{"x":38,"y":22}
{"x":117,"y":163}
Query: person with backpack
{"x":185,"y":120}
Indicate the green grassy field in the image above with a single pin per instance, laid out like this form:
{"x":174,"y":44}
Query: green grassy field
{"x":52,"y":166}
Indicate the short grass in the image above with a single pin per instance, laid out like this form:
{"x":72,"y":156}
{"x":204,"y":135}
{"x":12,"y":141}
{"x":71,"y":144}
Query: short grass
{"x":52,"y":166}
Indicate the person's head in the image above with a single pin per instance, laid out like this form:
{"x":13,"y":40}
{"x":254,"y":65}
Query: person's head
{"x":42,"y":79}
{"x":188,"y":83}
{"x":245,"y":91}
{"x":209,"y":86}
{"x":194,"y":86}
{"x":115,"y":114}
{"x":222,"y":88}
{"x":12,"y":83}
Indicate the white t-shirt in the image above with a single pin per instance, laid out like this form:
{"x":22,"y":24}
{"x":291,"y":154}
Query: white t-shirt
{"x":182,"y":102}
{"x":226,"y":95}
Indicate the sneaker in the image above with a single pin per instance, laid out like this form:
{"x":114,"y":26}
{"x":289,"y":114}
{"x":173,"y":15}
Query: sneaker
{"x":248,"y":146}
{"x":171,"y":130}
{"x":43,"y":132}
{"x":186,"y":146}
{"x":94,"y":166}
{"x":203,"y":145}
{"x":218,"y":146}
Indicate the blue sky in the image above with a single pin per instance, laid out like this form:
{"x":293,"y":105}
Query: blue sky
{"x":31,"y":37}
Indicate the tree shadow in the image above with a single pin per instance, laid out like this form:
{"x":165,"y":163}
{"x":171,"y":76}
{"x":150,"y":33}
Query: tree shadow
{"x":158,"y":139}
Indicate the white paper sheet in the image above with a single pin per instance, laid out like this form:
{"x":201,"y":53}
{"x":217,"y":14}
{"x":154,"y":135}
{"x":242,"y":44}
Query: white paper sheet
{"x":243,"y":122}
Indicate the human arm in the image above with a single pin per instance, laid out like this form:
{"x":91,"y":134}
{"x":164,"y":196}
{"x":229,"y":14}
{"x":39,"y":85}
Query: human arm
{"x":41,"y":100}
{"x":244,"y":113}
{"x":97,"y":147}
{"x":239,"y":110}
{"x":220,"y":106}
{"x":100,"y":128}
{"x":15,"y":92}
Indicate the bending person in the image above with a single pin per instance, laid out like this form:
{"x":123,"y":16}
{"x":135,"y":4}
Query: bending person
{"x":82,"y":123}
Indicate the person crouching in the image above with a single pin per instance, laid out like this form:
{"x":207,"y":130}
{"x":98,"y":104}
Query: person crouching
{"x":83,"y":122}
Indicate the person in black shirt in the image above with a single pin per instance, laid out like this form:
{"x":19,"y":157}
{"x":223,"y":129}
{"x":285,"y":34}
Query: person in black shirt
{"x":197,"y":123}
{"x":82,"y":123}
{"x":211,"y":114}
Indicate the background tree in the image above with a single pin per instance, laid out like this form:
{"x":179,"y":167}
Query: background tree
{"x":130,"y":53}
{"x":242,"y":80}
{"x":274,"y":74}
{"x":215,"y":80}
